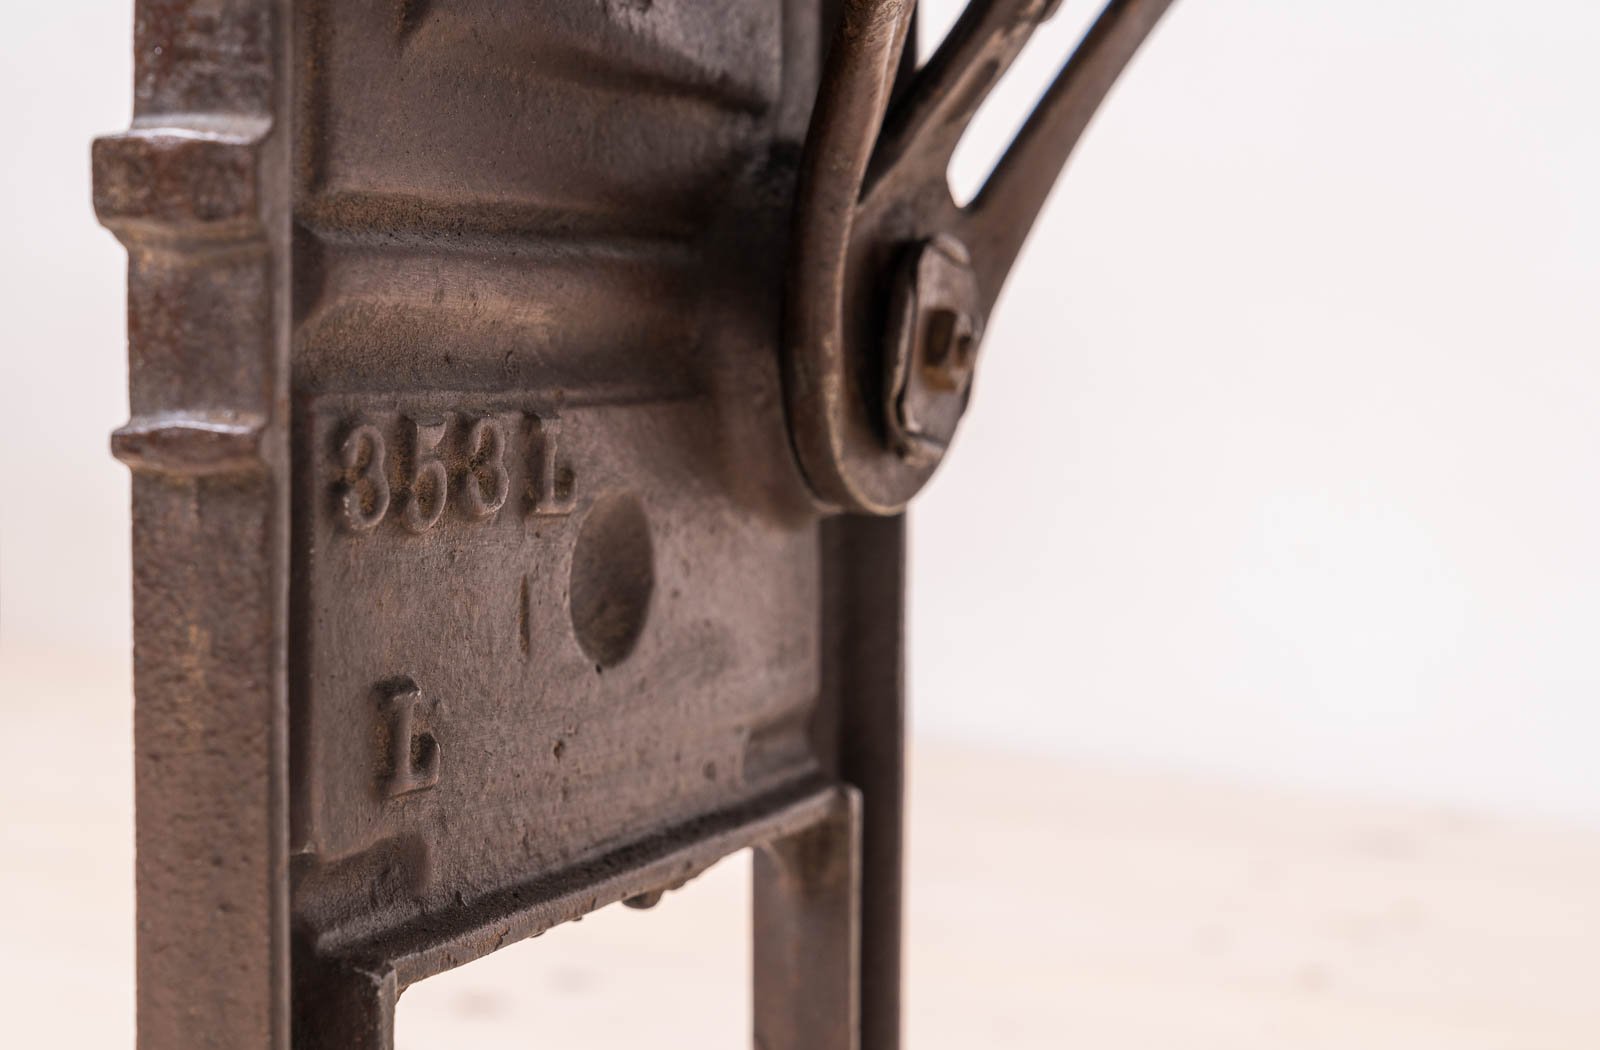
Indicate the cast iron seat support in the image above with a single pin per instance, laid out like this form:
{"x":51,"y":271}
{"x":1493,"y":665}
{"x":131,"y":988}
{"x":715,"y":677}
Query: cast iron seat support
{"x":523,"y":399}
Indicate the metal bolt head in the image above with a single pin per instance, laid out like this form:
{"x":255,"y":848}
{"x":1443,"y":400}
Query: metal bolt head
{"x":949,"y":348}
{"x":934,"y":329}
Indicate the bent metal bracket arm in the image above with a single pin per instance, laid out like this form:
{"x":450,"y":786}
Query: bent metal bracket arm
{"x":891,"y":282}
{"x":481,"y":578}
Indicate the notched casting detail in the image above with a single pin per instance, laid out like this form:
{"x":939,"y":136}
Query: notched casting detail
{"x":188,"y":184}
{"x":428,"y":464}
{"x":191,"y":443}
{"x":412,"y":757}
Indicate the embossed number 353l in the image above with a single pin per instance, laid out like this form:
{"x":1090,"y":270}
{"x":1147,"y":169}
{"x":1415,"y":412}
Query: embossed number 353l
{"x":366,"y":494}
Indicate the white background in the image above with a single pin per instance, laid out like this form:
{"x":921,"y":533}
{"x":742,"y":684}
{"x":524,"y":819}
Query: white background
{"x":1281,"y":462}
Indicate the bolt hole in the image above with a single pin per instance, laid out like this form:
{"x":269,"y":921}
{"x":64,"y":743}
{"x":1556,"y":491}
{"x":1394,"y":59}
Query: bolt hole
{"x":613,"y":577}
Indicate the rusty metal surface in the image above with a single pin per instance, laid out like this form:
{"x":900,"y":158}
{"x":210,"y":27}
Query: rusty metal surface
{"x":478,"y":583}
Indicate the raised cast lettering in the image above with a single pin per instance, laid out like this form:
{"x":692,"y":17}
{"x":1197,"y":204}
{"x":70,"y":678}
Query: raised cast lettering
{"x":412,"y":762}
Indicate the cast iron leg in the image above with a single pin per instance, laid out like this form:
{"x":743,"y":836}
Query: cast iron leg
{"x":808,"y":937}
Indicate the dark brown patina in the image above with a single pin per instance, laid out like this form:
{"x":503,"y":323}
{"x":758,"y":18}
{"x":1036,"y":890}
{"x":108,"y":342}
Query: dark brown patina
{"x":489,"y":562}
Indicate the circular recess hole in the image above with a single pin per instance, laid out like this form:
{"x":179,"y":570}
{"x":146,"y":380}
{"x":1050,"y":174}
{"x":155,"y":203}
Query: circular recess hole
{"x":613,"y":575}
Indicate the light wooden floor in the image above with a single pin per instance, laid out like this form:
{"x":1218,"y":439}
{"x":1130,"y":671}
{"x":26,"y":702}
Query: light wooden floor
{"x":1050,"y":907}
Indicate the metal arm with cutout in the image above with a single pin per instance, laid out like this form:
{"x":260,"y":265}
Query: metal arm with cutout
{"x":891,"y":282}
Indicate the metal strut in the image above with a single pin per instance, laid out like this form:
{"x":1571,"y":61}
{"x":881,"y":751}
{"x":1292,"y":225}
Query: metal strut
{"x":891,"y":282}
